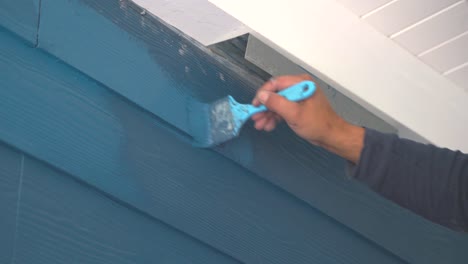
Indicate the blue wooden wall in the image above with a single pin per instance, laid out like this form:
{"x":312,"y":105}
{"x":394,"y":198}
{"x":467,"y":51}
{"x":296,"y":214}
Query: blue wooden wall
{"x":97,"y":164}
{"x":21,"y":17}
{"x":55,"y":218}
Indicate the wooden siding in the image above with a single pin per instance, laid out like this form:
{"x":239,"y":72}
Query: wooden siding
{"x":60,"y":219}
{"x":21,"y":17}
{"x":152,"y":65}
{"x":56,"y":113}
{"x":107,"y":161}
{"x":10,"y":175}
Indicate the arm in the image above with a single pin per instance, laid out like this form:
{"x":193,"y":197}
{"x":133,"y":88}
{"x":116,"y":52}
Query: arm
{"x":430,"y":181}
{"x":312,"y":119}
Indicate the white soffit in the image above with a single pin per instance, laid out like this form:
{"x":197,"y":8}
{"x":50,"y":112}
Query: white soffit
{"x":338,"y":46}
{"x":436,"y":31}
{"x":199,"y":19}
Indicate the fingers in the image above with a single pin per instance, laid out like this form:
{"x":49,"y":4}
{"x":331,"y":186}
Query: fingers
{"x":279,"y":107}
{"x":270,"y":125}
{"x":283,"y":107}
{"x":261,"y":121}
{"x":270,"y":85}
{"x":267,"y":122}
{"x":283,"y":82}
{"x":279,"y":83}
{"x":260,"y":124}
{"x":259,"y":116}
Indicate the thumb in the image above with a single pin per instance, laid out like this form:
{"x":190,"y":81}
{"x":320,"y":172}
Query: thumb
{"x":274,"y":102}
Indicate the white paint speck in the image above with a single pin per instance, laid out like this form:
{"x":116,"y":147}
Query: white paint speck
{"x":223,"y":119}
{"x":142,"y":22}
{"x":221,"y":76}
{"x":183,"y":49}
{"x":122,"y":4}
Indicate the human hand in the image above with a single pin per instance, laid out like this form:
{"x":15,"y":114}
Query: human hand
{"x":312,"y":119}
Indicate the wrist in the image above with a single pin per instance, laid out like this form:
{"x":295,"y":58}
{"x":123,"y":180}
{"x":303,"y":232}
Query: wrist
{"x":335,"y":129}
{"x":345,"y":140}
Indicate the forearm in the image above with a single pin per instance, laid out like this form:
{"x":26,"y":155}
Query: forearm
{"x":345,"y":140}
{"x":430,"y":181}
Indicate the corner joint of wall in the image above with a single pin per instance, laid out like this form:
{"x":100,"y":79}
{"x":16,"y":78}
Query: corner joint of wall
{"x":39,"y":9}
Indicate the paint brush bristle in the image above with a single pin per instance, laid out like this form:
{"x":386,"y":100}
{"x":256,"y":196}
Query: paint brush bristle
{"x":215,"y":123}
{"x":222,"y":120}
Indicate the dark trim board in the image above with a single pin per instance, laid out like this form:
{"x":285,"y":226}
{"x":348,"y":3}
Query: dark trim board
{"x":261,"y":197}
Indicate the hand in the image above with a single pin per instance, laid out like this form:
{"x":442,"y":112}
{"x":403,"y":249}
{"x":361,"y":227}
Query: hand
{"x":312,"y":119}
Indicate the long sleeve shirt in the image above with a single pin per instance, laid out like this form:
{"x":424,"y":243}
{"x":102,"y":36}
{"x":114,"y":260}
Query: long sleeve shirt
{"x":430,"y":181}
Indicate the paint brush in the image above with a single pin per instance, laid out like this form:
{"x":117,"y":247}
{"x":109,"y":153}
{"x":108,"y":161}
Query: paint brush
{"x":222,"y":120}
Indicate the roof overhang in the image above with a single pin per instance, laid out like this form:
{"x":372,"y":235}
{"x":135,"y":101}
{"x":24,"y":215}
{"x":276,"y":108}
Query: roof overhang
{"x":330,"y":41}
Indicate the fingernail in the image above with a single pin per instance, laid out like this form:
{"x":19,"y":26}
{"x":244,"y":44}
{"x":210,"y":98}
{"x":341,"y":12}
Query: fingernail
{"x":263,"y":96}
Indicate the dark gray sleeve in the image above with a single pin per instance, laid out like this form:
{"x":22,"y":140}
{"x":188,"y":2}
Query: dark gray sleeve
{"x":430,"y":181}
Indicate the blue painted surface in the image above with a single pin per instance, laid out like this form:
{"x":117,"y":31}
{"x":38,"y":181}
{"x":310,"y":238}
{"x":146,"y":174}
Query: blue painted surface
{"x":53,"y":112}
{"x":62,"y":220}
{"x":162,"y":71}
{"x":10,"y":173}
{"x":259,"y":198}
{"x":21,"y":17}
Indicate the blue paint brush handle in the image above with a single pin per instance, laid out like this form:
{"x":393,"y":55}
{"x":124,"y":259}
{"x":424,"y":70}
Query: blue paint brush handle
{"x":295,"y":93}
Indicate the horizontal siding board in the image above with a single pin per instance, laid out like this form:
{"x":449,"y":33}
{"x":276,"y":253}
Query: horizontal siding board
{"x":10,"y":169}
{"x":436,"y":30}
{"x":161,"y":70}
{"x":450,"y":55}
{"x":133,"y":47}
{"x":63,"y":220}
{"x":53,"y":112}
{"x":401,"y":14}
{"x":21,"y":17}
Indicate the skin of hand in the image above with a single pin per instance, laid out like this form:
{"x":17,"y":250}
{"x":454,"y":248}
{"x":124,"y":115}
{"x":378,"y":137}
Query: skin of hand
{"x":312,"y":119}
